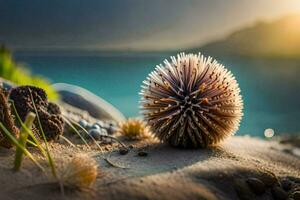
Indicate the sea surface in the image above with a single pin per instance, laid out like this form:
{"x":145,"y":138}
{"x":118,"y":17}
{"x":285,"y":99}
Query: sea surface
{"x":270,"y":87}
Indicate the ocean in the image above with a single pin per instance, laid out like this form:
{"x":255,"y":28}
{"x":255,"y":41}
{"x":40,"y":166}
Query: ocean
{"x":270,"y":87}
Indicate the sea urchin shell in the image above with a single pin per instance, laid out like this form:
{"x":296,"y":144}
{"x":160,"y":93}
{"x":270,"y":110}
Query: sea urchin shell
{"x":49,"y":113}
{"x":192,"y":101}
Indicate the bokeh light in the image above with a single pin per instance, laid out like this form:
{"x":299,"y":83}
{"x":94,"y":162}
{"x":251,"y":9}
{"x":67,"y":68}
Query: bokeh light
{"x":269,"y":133}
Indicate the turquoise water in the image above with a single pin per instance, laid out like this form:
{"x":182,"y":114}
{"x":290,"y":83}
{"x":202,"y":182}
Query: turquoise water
{"x":270,"y":88}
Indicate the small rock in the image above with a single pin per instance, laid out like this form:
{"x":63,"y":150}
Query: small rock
{"x":111,"y":130}
{"x":296,"y":195}
{"x":130,"y":146}
{"x":96,"y":126}
{"x":286,"y":184}
{"x":123,"y":151}
{"x":278,"y":193}
{"x":95,"y":133}
{"x":83,"y":123}
{"x":143,"y":154}
{"x":88,"y":126}
{"x":256,"y":185}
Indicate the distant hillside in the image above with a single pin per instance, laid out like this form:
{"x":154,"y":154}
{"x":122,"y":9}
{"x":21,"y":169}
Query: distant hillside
{"x":280,"y":38}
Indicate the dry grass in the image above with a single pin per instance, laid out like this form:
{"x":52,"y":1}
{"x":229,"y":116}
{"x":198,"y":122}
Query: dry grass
{"x":134,"y":128}
{"x":80,"y":173}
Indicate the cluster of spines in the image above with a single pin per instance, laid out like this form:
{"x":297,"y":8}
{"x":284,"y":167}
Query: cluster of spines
{"x":192,"y":101}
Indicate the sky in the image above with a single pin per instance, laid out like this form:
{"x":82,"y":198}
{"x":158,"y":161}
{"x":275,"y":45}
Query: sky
{"x":130,"y":24}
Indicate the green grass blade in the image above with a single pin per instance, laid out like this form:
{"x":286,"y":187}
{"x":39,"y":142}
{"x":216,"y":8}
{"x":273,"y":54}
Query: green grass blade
{"x":32,"y":143}
{"x":35,"y":141}
{"x":76,"y":131}
{"x":16,"y":143}
{"x":23,"y":140}
{"x":67,"y":140}
{"x":50,"y":160}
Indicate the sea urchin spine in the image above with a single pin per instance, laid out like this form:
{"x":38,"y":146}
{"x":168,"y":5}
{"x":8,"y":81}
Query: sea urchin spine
{"x":192,"y":101}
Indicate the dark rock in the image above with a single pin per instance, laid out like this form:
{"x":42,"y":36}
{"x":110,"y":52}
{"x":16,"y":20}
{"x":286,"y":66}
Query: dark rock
{"x":256,"y":185}
{"x":142,"y":153}
{"x":278,"y":193}
{"x":296,"y":195}
{"x":286,"y":184}
{"x":242,"y":190}
{"x":123,"y":151}
{"x":111,"y":129}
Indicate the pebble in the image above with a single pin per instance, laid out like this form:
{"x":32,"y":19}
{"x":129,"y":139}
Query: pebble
{"x":123,"y":151}
{"x":278,"y":193}
{"x":256,"y":185}
{"x":83,"y":123}
{"x":96,"y":126}
{"x":111,"y":130}
{"x":95,"y":133}
{"x":143,"y":154}
{"x":296,"y":195}
{"x":286,"y":184}
{"x":88,"y":127}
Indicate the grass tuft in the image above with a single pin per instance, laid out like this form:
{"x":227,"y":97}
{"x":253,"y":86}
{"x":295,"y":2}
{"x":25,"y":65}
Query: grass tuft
{"x":80,"y":173}
{"x":134,"y":129}
{"x":23,"y":140}
{"x":35,"y":141}
{"x":18,"y":145}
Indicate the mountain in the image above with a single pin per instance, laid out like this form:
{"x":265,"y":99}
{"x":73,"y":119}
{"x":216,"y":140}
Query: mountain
{"x":280,"y":38}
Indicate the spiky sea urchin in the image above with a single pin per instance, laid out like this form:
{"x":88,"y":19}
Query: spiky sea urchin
{"x":192,"y":101}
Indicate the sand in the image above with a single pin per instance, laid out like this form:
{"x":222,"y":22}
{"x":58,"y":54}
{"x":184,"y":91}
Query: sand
{"x":165,"y":173}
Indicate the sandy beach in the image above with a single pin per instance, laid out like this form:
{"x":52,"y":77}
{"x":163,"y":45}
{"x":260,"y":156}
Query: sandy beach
{"x":165,"y":173}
